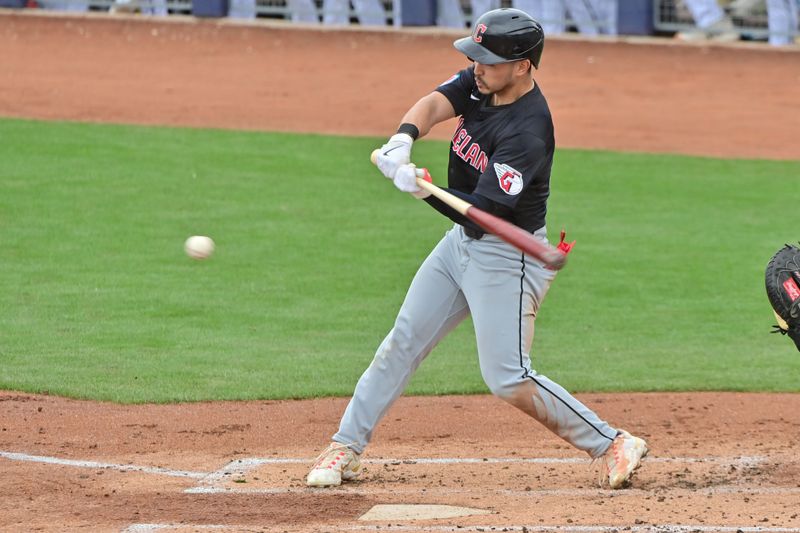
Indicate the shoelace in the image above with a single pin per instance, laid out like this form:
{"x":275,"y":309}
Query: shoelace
{"x":602,"y":470}
{"x":605,"y":469}
{"x":334,"y":448}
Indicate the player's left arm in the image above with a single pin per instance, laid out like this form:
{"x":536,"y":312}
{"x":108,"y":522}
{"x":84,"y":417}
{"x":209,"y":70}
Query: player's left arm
{"x":516,"y":163}
{"x":512,"y":167}
{"x":479,"y":201}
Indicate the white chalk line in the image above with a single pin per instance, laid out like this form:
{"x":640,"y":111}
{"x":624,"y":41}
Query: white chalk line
{"x":147,"y":528}
{"x":209,"y":479}
{"x":660,"y":528}
{"x":236,"y":467}
{"x":656,"y":528}
{"x":743,"y":460}
{"x":109,"y":466}
{"x":242,"y":466}
{"x":720,"y":489}
{"x":213,"y":483}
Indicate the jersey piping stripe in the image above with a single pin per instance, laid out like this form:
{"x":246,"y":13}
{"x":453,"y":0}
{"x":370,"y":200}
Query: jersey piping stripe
{"x":519,"y":322}
{"x":526,"y":374}
{"x":556,"y":396}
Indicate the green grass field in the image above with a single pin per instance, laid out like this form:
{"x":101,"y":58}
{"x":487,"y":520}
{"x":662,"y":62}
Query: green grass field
{"x":664,"y":291}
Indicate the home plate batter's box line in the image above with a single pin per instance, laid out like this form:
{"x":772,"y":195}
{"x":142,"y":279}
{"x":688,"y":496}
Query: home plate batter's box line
{"x":13,"y":456}
{"x":208,"y":480}
{"x":241,"y":467}
{"x":657,"y":528}
{"x":652,"y":528}
{"x":367,"y":491}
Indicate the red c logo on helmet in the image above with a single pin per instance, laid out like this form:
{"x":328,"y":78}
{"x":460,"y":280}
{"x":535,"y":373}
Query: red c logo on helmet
{"x":480,"y":29}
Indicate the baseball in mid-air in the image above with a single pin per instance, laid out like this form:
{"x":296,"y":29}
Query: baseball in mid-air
{"x":199,"y":247}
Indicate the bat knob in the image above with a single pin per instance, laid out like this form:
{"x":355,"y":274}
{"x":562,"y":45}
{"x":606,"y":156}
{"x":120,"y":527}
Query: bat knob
{"x":556,"y":260}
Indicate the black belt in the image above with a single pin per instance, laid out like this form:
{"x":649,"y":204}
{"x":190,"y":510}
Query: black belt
{"x":473,"y":233}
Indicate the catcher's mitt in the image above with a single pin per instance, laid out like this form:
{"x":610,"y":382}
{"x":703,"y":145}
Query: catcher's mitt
{"x":783,"y":291}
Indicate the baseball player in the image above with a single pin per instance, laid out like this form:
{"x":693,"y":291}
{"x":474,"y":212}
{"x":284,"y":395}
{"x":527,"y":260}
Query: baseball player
{"x":500,"y":159}
{"x":715,"y":24}
{"x":712,"y":23}
{"x":782,"y":18}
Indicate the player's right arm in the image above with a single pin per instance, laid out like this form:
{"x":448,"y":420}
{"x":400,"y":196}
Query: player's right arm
{"x":429,"y":110}
{"x":417,"y":122}
{"x":447,"y":101}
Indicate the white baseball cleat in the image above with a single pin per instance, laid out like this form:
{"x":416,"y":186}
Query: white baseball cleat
{"x":622,"y":458}
{"x":336,"y":463}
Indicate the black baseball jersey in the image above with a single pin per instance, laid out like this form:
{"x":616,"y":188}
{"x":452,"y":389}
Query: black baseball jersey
{"x":503,"y":153}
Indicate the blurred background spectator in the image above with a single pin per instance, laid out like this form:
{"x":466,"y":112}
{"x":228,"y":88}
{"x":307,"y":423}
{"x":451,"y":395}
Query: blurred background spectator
{"x":782,"y":20}
{"x":145,"y":7}
{"x":246,"y":9}
{"x":367,"y":12}
{"x":591,"y":17}
{"x":64,"y":5}
{"x":775,"y":21}
{"x":712,"y":23}
{"x":715,"y":23}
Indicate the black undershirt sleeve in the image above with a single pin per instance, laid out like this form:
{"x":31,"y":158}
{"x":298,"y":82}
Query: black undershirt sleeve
{"x":479,"y":201}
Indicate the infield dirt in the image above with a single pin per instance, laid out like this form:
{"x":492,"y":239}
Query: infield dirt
{"x":717,"y":460}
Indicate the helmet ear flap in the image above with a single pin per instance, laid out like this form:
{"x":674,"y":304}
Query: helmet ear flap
{"x":536,"y":54}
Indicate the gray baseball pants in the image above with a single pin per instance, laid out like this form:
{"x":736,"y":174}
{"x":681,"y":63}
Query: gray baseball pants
{"x":502,"y":289}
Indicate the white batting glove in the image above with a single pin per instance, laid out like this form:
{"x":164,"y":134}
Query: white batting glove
{"x":396,"y":152}
{"x":405,"y":179}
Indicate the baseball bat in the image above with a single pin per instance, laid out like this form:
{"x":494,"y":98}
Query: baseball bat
{"x":513,"y":235}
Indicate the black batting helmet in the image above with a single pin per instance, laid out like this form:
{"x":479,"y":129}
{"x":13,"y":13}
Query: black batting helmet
{"x":502,"y":36}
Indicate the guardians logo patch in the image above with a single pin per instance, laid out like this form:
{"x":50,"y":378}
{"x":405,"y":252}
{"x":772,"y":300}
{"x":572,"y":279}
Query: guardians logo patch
{"x":510,"y":180}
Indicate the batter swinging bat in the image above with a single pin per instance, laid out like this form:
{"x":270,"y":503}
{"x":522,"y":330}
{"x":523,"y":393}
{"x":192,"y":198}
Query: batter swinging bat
{"x":513,"y":235}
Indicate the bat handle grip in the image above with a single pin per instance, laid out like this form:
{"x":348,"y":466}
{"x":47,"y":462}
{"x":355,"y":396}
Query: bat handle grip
{"x":421,"y":172}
